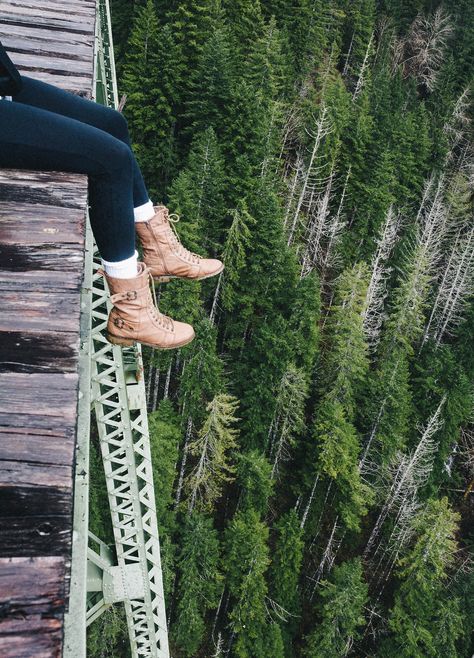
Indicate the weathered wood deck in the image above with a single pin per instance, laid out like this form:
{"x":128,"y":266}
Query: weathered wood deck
{"x":42,"y":230}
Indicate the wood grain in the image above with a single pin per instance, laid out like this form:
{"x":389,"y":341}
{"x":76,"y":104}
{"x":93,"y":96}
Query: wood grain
{"x":42,"y":230}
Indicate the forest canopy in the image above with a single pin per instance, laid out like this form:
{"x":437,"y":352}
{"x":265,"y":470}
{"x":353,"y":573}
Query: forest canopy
{"x":313,"y":446}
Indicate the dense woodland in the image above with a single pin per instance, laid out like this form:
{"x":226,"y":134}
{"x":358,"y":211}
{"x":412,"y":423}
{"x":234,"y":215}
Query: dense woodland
{"x":314,"y":445}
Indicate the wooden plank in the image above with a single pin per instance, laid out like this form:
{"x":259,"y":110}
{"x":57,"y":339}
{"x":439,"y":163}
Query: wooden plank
{"x":45,"y":257}
{"x":25,"y":474}
{"x":41,"y":229}
{"x":34,"y":588}
{"x":35,"y":520}
{"x":33,"y":6}
{"x":41,"y":280}
{"x":48,"y":352}
{"x":53,"y":64}
{"x":47,"y":446}
{"x":24,"y":637}
{"x":32,"y":637}
{"x":29,"y":423}
{"x":48,"y":394}
{"x":76,"y":25}
{"x":34,"y":311}
{"x":32,"y":597}
{"x":11,"y":33}
{"x":54,"y":188}
{"x":36,"y":535}
{"x":31,"y":589}
{"x":51,"y":47}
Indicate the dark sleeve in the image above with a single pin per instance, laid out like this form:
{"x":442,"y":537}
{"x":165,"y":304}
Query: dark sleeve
{"x":10,"y":79}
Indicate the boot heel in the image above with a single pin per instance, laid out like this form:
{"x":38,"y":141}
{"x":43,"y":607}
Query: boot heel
{"x":116,"y":340}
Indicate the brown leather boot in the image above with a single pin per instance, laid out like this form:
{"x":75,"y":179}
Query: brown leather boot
{"x":136,"y":318}
{"x":164,"y":254}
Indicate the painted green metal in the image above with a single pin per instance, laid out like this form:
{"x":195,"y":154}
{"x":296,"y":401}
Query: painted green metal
{"x":75,"y":619}
{"x":130,"y":574}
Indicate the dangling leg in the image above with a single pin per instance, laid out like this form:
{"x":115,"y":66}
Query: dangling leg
{"x":35,"y":138}
{"x":49,"y":97}
{"x":163,"y":254}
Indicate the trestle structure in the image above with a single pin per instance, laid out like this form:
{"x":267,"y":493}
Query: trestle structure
{"x":112,"y":384}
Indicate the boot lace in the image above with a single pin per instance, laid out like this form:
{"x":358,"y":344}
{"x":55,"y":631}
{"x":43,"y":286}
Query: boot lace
{"x":176,"y":241}
{"x":162,"y":319}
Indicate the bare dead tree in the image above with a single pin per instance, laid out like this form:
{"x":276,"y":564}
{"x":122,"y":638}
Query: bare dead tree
{"x":420,"y":54}
{"x":363,"y":68}
{"x":458,"y":125}
{"x":328,"y":557}
{"x":407,"y":473}
{"x":454,"y":291}
{"x":336,"y":226}
{"x":179,"y":488}
{"x":377,"y":290}
{"x":317,"y":227}
{"x":313,"y":170}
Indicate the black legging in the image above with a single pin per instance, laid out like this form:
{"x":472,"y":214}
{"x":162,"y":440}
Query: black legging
{"x":47,"y":128}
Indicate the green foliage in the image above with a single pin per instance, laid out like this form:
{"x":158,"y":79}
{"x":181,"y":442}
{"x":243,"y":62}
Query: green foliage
{"x":165,"y":436}
{"x":254,"y":478}
{"x":198,"y":588}
{"x":215,"y":441}
{"x":107,"y":636}
{"x":198,"y":194}
{"x":286,"y":562}
{"x":149,"y":80}
{"x":246,"y":562}
{"x":420,"y":623}
{"x":224,"y":102}
{"x":343,"y":599}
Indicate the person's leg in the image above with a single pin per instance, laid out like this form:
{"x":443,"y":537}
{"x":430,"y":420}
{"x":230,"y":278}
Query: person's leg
{"x":37,"y":139}
{"x":48,"y":97}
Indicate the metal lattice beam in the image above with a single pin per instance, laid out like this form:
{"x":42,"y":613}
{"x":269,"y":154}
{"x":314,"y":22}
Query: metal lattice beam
{"x":117,"y":394}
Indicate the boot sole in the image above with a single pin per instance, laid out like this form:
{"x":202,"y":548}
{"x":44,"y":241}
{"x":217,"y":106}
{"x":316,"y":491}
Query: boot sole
{"x":127,"y":342}
{"x":168,"y":277}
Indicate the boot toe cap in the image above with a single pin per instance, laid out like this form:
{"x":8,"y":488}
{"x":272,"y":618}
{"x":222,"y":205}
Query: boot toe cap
{"x":212,"y":266}
{"x":184,"y":333}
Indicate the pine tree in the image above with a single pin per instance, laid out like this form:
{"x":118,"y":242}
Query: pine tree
{"x":190,"y":22}
{"x":343,"y":599}
{"x":149,"y":79}
{"x":198,"y":195}
{"x":346,"y":366}
{"x":246,"y":562}
{"x":216,"y":439}
{"x":416,"y":615}
{"x":255,"y":481}
{"x":199,"y":580}
{"x":211,"y":86}
{"x":245,"y":17}
{"x":165,"y":435}
{"x":285,"y":571}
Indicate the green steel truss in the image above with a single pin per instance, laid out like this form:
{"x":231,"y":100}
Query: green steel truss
{"x":111,"y":380}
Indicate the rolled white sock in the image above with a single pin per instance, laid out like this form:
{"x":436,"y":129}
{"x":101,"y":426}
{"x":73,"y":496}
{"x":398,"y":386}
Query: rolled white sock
{"x":122,"y":269}
{"x":144,"y":212}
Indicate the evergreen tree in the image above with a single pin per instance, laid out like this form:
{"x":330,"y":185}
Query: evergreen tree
{"x":255,"y":481}
{"x":285,"y":571}
{"x":216,"y":439}
{"x":198,"y":194}
{"x":343,"y":600}
{"x":247,"y":560}
{"x":346,"y":367}
{"x":198,"y":587}
{"x":418,"y":613}
{"x":165,"y":435}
